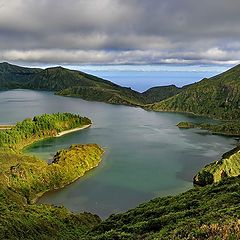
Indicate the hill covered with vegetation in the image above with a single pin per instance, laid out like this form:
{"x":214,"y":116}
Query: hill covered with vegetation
{"x":217,"y":97}
{"x":66,"y":82}
{"x":157,"y":94}
{"x":228,"y":166}
{"x":24,"y":178}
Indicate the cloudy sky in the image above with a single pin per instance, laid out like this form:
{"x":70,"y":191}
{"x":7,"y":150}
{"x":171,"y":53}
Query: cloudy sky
{"x":73,"y":32}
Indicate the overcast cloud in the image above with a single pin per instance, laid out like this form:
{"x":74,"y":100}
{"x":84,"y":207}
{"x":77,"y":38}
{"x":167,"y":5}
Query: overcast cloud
{"x":120,"y":31}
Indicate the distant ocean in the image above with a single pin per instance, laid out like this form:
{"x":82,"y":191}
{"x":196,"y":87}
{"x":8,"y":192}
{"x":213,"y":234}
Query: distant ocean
{"x":142,"y":80}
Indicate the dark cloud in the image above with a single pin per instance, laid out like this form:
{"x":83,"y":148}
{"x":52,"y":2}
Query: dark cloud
{"x":120,"y":31}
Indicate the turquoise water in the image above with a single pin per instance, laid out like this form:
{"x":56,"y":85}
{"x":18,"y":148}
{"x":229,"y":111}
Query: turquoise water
{"x":146,"y":154}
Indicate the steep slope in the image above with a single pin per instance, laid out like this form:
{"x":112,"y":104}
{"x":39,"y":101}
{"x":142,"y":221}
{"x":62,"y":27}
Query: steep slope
{"x":58,"y":78}
{"x":228,"y":166}
{"x":217,"y":97}
{"x":12,"y":76}
{"x":157,"y":94}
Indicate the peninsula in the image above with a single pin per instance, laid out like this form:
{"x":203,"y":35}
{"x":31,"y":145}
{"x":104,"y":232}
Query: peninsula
{"x":25,"y":178}
{"x":47,"y":125}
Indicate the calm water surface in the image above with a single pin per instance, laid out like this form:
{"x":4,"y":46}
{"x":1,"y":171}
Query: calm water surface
{"x":146,"y":154}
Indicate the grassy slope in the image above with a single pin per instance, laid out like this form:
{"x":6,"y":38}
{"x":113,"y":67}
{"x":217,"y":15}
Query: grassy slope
{"x":43,"y":222}
{"x":22,"y":178}
{"x":123,"y":96}
{"x":228,"y":166}
{"x":30,"y":177}
{"x":12,"y":76}
{"x":210,"y":212}
{"x":217,"y":97}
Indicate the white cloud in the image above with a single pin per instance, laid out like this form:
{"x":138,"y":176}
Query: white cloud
{"x":120,"y":31}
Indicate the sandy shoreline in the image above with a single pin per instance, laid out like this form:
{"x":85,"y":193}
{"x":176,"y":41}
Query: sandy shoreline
{"x":6,"y":126}
{"x":72,"y":130}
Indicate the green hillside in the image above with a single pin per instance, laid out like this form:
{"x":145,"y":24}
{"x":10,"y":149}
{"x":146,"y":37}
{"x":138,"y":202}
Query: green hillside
{"x":228,"y":166}
{"x":157,"y":94}
{"x":217,"y":97}
{"x":24,"y":178}
{"x":209,"y":212}
{"x":12,"y":76}
{"x":67,"y":83}
{"x":123,"y":96}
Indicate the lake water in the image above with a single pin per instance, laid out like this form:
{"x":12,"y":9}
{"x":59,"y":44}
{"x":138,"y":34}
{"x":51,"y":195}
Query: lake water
{"x":146,"y":154}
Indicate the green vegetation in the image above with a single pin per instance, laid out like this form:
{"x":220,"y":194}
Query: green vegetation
{"x":157,"y":94}
{"x":12,"y":76}
{"x":111,"y":95}
{"x":25,"y":178}
{"x":228,"y":166}
{"x":210,"y":212}
{"x":35,"y":222}
{"x":186,"y":125}
{"x":230,"y":128}
{"x":46,"y":125}
{"x":217,"y":97}
{"x":67,"y":82}
{"x":31,"y":177}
